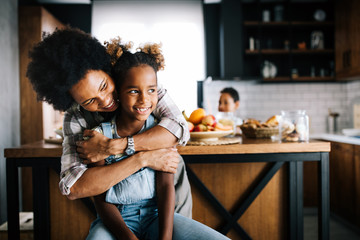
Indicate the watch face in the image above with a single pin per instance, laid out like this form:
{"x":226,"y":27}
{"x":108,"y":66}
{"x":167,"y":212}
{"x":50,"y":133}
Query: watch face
{"x":129,"y":151}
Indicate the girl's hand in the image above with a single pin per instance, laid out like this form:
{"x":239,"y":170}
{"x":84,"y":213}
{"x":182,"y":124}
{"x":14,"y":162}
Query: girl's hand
{"x":165,"y":160}
{"x":94,"y":149}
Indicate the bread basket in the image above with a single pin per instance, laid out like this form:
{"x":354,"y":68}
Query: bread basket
{"x":250,"y":132}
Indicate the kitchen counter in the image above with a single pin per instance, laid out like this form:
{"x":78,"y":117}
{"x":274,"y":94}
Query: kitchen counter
{"x":253,"y":189}
{"x":336,"y":138}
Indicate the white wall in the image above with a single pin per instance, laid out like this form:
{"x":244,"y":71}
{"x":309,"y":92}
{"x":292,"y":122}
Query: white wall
{"x":261,"y":101}
{"x":177,"y":24}
{"x":9,"y":90}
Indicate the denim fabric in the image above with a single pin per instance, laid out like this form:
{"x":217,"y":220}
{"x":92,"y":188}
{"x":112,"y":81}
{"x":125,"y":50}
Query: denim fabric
{"x":136,"y":187}
{"x":142,"y":219}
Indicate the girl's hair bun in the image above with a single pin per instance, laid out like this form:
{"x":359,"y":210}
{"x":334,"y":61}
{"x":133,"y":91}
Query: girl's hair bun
{"x":115,"y":48}
{"x":154,"y":50}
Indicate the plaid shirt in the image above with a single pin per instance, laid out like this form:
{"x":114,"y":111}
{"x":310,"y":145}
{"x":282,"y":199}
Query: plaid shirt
{"x":77,"y":119}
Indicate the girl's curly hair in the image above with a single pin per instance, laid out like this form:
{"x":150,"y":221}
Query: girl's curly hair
{"x":61,"y":60}
{"x":123,"y":60}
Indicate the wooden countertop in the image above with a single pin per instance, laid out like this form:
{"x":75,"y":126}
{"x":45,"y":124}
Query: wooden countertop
{"x":42,"y":149}
{"x":36,"y":149}
{"x":257,"y":146}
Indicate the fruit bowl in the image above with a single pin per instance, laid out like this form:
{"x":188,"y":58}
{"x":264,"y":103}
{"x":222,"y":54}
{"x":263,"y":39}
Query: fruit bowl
{"x":209,"y":136}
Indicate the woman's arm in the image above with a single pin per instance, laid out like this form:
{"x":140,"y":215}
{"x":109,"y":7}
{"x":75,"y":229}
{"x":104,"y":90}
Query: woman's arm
{"x":112,"y":218}
{"x":171,"y":130}
{"x":166,"y":204}
{"x":99,"y":147}
{"x":97,"y":180}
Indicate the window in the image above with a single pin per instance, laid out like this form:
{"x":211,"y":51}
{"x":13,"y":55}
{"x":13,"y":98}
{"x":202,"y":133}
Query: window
{"x":178,"y":25}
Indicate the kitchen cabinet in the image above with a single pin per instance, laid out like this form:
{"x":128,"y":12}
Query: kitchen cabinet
{"x":246,"y":41}
{"x":347,"y":40}
{"x":344,"y":182}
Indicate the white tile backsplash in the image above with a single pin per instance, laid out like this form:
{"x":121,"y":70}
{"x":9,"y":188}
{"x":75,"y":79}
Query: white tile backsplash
{"x":261,"y":101}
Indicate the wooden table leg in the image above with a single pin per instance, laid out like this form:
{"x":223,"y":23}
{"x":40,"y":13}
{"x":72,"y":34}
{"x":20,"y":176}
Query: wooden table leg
{"x":41,"y":202}
{"x":12,"y":184}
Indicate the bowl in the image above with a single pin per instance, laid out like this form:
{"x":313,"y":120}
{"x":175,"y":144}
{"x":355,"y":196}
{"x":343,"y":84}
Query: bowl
{"x":351,"y":132}
{"x":259,"y":132}
{"x":209,"y":136}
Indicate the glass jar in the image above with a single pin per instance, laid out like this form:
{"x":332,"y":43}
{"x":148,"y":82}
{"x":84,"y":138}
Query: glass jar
{"x":229,"y":119}
{"x":294,"y":126}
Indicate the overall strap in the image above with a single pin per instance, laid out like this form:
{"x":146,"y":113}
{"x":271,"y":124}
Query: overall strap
{"x":107,"y":130}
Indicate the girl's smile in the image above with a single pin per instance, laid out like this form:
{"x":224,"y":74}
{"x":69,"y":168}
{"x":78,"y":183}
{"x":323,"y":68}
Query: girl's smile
{"x":138,"y":93}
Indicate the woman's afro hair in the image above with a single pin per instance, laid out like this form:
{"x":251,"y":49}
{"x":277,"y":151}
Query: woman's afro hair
{"x":122,"y":59}
{"x":61,"y":60}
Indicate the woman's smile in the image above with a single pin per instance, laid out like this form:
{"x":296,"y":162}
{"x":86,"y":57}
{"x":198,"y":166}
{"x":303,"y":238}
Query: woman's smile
{"x":96,"y":92}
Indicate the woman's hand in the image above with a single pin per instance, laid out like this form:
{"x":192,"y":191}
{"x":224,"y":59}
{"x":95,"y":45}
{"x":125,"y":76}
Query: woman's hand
{"x":165,"y":160}
{"x":96,"y":148}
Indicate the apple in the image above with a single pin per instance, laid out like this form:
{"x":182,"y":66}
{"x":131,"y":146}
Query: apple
{"x":210,"y":128}
{"x":221,"y":127}
{"x":209,"y":120}
{"x":190,"y":126}
{"x":200,"y":128}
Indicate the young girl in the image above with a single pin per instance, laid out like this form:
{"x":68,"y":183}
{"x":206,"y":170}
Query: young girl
{"x":140,"y":207}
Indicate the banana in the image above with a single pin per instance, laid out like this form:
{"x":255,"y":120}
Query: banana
{"x":184,"y":114}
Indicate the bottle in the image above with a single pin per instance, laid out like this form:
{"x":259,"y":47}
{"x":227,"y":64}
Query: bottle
{"x":252,"y":44}
{"x":294,"y":126}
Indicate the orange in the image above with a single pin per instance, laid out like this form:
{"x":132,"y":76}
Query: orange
{"x":197,"y":115}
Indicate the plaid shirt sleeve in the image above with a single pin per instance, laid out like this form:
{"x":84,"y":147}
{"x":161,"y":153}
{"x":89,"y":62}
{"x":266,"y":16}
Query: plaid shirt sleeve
{"x":171,"y":118}
{"x":71,"y":165}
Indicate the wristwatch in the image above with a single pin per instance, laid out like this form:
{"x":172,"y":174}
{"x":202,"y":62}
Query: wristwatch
{"x":130,"y":149}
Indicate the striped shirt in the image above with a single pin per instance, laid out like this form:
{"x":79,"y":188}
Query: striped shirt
{"x":77,"y":119}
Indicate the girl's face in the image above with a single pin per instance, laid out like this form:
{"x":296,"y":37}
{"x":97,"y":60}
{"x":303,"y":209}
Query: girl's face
{"x":227,"y":103}
{"x":96,"y":92}
{"x":138,"y":92}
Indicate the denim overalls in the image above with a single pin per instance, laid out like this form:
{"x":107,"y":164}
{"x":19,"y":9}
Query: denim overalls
{"x":138,"y":186}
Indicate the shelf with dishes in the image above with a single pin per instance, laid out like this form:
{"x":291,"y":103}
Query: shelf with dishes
{"x":288,"y":51}
{"x":300,"y":79}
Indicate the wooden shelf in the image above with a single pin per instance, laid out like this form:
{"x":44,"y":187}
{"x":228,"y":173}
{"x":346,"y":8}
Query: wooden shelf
{"x":312,"y":23}
{"x":292,"y":23}
{"x":309,"y":78}
{"x":293,"y":51}
{"x":312,"y":51}
{"x":300,"y":79}
{"x":259,"y":23}
{"x":267,"y":51}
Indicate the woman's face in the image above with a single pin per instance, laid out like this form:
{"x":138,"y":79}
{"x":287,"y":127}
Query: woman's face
{"x":96,"y":92}
{"x":138,"y":92}
{"x":227,"y":103}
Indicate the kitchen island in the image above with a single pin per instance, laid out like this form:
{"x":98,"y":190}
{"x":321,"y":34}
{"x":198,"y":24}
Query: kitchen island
{"x":251,"y":184}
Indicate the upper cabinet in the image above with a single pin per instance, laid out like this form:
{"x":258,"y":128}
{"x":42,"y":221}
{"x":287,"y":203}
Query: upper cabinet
{"x":272,"y":40}
{"x":347,"y":39}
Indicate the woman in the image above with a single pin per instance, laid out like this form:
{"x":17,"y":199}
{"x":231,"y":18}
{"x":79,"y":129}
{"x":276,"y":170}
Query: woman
{"x":72,"y":71}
